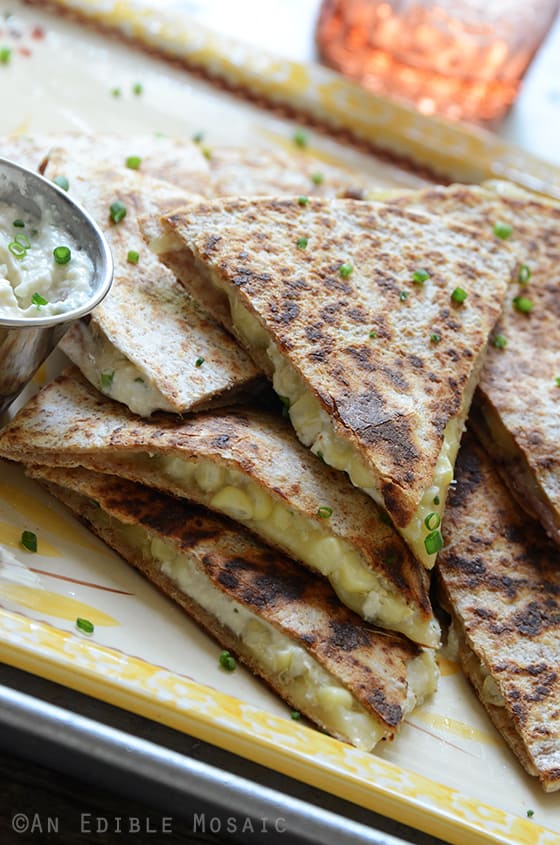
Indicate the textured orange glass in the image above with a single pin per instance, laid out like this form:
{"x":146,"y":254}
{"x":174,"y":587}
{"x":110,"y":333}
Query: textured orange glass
{"x":461,"y":58}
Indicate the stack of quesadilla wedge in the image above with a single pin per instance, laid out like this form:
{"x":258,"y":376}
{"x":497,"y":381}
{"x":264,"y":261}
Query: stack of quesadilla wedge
{"x":500,"y":579}
{"x":352,"y":680}
{"x":248,"y":465}
{"x":372,"y":322}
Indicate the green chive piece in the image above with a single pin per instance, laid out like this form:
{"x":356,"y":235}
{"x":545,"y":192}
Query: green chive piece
{"x":62,"y":182}
{"x":106,"y":379}
{"x":324,"y":512}
{"x":459,"y":295}
{"x":435,"y":338}
{"x":557,"y":381}
{"x":295,"y":715}
{"x":19,"y":224}
{"x":345,"y":270}
{"x":524,"y":274}
{"x":39,"y":300}
{"x":117,"y":211}
{"x":420,"y":276}
{"x":301,"y":243}
{"x":227,"y":661}
{"x":373,"y":333}
{"x":116,"y":92}
{"x":433,"y":543}
{"x":133,"y":162}
{"x":132,"y":256}
{"x":502,"y":230}
{"x":22,"y":240}
{"x":206,"y":152}
{"x":530,"y":814}
{"x":17,"y":250}
{"x":523,"y":304}
{"x":198,"y":137}
{"x":199,"y":362}
{"x":29,"y":541}
{"x":403,"y":296}
{"x":84,"y":625}
{"x":137,"y":88}
{"x":317,"y":178}
{"x":300,"y":138}
{"x":436,"y":500}
{"x":5,"y":55}
{"x":500,"y":341}
{"x":62,"y":254}
{"x":303,"y":200}
{"x":432,"y":521}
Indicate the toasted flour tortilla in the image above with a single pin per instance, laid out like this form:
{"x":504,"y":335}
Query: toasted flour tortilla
{"x":500,"y":579}
{"x":148,"y":345}
{"x":515,"y":412}
{"x":352,"y":680}
{"x":248,"y":465}
{"x":347,"y":336}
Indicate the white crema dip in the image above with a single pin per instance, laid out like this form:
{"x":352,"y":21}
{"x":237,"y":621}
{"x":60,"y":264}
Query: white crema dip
{"x":43,"y":271}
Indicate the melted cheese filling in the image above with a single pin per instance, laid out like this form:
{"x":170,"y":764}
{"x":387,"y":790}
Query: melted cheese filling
{"x":312,"y":689}
{"x":236,"y":495}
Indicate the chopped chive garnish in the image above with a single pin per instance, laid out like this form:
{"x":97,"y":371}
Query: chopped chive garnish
{"x":303,"y":200}
{"x":295,"y":715}
{"x":5,"y":55}
{"x":137,"y":89}
{"x":133,"y":162}
{"x":317,"y":178}
{"x":199,"y":362}
{"x":62,"y":182}
{"x":432,"y":521}
{"x":403,"y":296}
{"x":17,"y":250}
{"x":500,"y":341}
{"x":530,"y":814}
{"x":502,"y":230}
{"x":206,"y":152}
{"x":301,"y":243}
{"x":324,"y":512}
{"x":106,"y":379}
{"x":22,"y":240}
{"x":459,"y":295}
{"x":436,"y":500}
{"x":524,"y":274}
{"x":557,"y":381}
{"x":62,"y":254}
{"x":116,"y":92}
{"x":39,"y":300}
{"x":345,"y":270}
{"x":373,"y":333}
{"x":29,"y":541}
{"x":198,"y":137}
{"x":85,"y":625}
{"x":19,"y":224}
{"x":227,"y":661}
{"x":300,"y":138}
{"x":420,"y":276}
{"x":132,"y":256}
{"x":435,"y":338}
{"x":433,"y":543}
{"x":523,"y":304}
{"x":117,"y":211}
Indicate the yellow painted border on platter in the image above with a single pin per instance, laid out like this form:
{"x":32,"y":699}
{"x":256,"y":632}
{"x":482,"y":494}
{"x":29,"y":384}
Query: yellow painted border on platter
{"x":280,"y":744}
{"x":451,"y":150}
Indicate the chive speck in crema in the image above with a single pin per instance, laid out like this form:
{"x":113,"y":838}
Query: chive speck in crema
{"x":502,"y":230}
{"x":317,"y":178}
{"x":199,"y":362}
{"x":459,"y":295}
{"x":132,"y":256}
{"x":345,"y":270}
{"x":29,"y":541}
{"x":133,"y":162}
{"x":373,"y":334}
{"x":38,"y":300}
{"x":84,"y":625}
{"x":117,"y":211}
{"x":62,"y":254}
{"x":5,"y":55}
{"x":301,"y":243}
{"x":403,"y":296}
{"x":137,"y":89}
{"x":303,"y":200}
{"x":435,"y":337}
{"x":524,"y":274}
{"x":523,"y":304}
{"x":420,"y":276}
{"x":499,"y":341}
{"x":300,"y":138}
{"x":324,"y":512}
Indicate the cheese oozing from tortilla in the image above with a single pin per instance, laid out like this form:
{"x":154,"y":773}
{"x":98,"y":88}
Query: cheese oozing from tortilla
{"x":233,"y":493}
{"x":312,"y":689}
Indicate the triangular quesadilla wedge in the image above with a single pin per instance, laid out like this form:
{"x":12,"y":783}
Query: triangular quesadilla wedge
{"x":248,"y":465}
{"x":372,"y":322}
{"x":515,"y":412}
{"x":352,"y":680}
{"x":148,"y":345}
{"x":500,"y":579}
